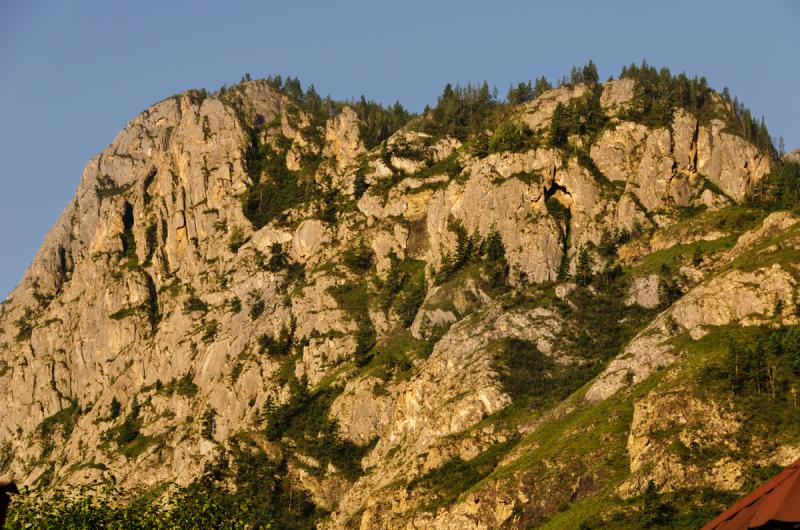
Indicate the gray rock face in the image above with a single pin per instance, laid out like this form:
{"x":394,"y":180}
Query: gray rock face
{"x":664,"y":168}
{"x":644,"y":292}
{"x":745,"y":297}
{"x":153,"y":288}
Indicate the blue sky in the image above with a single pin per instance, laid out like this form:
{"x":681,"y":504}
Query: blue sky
{"x":73,"y":73}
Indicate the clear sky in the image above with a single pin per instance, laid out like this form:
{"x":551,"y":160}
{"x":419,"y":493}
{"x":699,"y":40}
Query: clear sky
{"x":73,"y":73}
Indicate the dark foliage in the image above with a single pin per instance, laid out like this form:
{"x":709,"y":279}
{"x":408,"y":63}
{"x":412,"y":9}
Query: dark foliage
{"x":657,"y":93}
{"x":511,"y":136}
{"x":379,"y":122}
{"x":282,"y":344}
{"x":778,"y":190}
{"x":278,"y":259}
{"x":360,"y":258}
{"x":444,"y":484}
{"x":273,"y":187}
{"x":304,"y":419}
{"x":461,"y":111}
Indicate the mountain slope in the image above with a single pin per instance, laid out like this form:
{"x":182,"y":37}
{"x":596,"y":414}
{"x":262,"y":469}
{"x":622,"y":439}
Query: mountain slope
{"x":488,"y":315}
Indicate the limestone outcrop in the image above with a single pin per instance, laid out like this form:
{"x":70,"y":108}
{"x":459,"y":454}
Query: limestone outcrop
{"x":227,"y":252}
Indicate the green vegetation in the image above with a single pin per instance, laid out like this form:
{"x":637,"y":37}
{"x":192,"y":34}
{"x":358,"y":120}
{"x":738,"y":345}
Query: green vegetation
{"x":460,"y":112}
{"x":443,"y":485}
{"x":127,"y":238}
{"x":257,"y":305}
{"x":184,"y":386}
{"x":114,"y":409}
{"x":525,"y":92}
{"x":237,"y":239}
{"x":360,"y":184}
{"x":489,"y":252}
{"x":274,"y":188}
{"x":354,"y":298}
{"x":365,"y":340}
{"x":657,"y":93}
{"x":127,"y":436}
{"x":107,"y":188}
{"x":764,"y":367}
{"x":99,"y":507}
{"x":208,"y":423}
{"x":379,"y":122}
{"x":278,"y":259}
{"x":466,"y":247}
{"x":304,"y":420}
{"x":779,"y":189}
{"x":25,"y":325}
{"x":63,"y":420}
{"x":393,"y":358}
{"x":583,"y":270}
{"x":449,"y":166}
{"x":404,"y":288}
{"x":281,"y":345}
{"x":511,"y":136}
{"x":581,"y":116}
{"x":360,"y":258}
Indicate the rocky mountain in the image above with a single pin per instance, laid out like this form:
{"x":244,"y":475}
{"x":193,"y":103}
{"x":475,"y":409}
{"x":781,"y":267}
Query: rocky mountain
{"x":555,"y":312}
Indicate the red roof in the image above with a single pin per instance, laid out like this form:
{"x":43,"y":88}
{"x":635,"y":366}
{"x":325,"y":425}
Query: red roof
{"x":774,"y":503}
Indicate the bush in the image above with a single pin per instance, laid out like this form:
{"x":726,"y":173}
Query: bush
{"x":511,"y":136}
{"x":444,"y":484}
{"x":461,"y":111}
{"x":195,"y":304}
{"x":114,"y":409}
{"x":657,"y":93}
{"x":583,"y":271}
{"x":237,"y":239}
{"x":360,"y":184}
{"x":257,"y":305}
{"x":464,"y":251}
{"x":208,"y":424}
{"x":365,"y":341}
{"x":304,"y":419}
{"x":100,"y":507}
{"x":278,"y":259}
{"x":360,"y":258}
{"x":274,"y":188}
{"x":283,"y":344}
{"x":779,"y":189}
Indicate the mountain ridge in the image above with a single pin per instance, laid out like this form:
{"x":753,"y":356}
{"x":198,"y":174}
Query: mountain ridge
{"x":374,"y":300}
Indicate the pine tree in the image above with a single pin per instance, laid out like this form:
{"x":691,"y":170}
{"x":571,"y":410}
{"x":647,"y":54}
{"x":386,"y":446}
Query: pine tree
{"x":559,"y":126}
{"x":590,"y":74}
{"x":583,"y":270}
{"x":115,"y":408}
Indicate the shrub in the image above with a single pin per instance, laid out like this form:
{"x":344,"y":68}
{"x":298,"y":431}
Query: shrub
{"x":365,"y":341}
{"x":583,"y":270}
{"x":461,"y":111}
{"x":274,"y":188}
{"x":283,"y":344}
{"x":304,"y":419}
{"x":360,"y":184}
{"x":511,"y":136}
{"x":24,"y":325}
{"x":235,"y":304}
{"x":185,"y":385}
{"x":444,"y":484}
{"x":237,"y":239}
{"x":278,"y":259}
{"x":195,"y":304}
{"x":360,"y":258}
{"x":208,"y":423}
{"x":114,"y":409}
{"x":257,"y":305}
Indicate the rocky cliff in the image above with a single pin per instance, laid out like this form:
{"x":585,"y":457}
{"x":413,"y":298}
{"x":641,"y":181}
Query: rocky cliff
{"x":438,"y":331}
